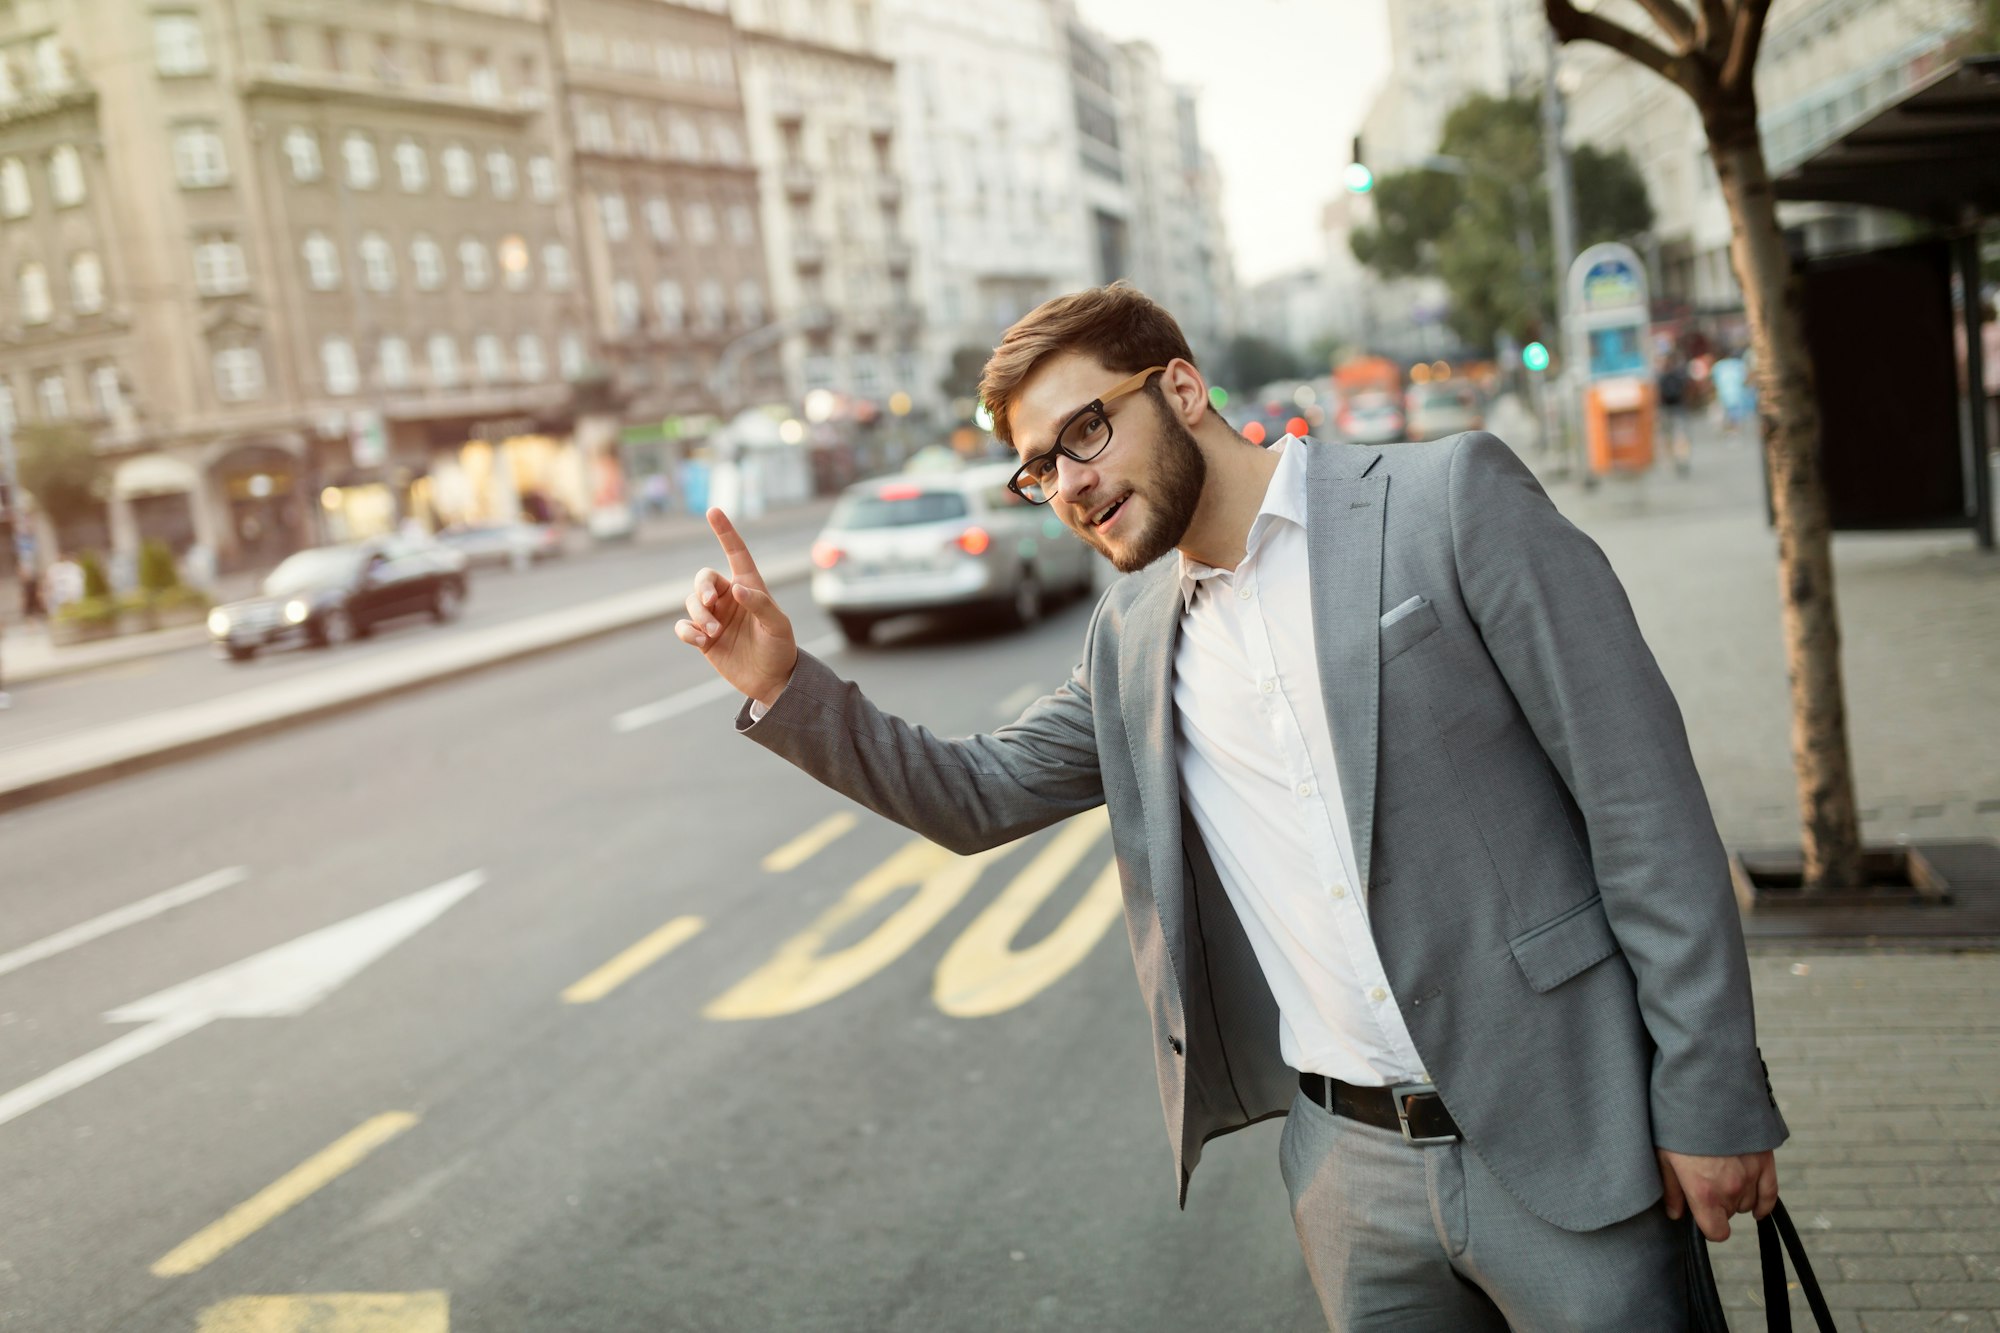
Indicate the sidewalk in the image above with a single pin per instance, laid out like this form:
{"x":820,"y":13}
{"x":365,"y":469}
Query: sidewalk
{"x":1885,"y":1062}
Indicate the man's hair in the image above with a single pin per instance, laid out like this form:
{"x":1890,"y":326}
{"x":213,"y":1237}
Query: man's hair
{"x":1118,"y":325}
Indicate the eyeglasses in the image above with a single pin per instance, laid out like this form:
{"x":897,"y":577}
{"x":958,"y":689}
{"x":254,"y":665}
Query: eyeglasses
{"x":1083,"y":437}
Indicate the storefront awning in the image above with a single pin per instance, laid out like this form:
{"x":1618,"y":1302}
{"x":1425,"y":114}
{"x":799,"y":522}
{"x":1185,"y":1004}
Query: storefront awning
{"x":1935,"y":153}
{"x":153,"y":474}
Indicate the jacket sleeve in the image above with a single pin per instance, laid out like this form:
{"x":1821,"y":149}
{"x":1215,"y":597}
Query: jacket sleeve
{"x":965,"y":795}
{"x":1559,"y":627}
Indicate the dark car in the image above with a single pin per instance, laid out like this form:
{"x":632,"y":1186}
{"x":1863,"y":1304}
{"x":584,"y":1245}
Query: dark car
{"x":326,"y":595}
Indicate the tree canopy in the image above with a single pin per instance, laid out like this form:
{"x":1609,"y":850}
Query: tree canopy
{"x":61,"y":469}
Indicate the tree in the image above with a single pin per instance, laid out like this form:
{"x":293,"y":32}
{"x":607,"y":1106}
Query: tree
{"x":962,"y":379}
{"x":1709,"y":52}
{"x":61,"y":468}
{"x":1254,"y":362}
{"x":1486,"y":232}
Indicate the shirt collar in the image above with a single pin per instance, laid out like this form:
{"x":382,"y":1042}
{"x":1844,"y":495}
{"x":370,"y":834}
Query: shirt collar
{"x":1284,"y":498}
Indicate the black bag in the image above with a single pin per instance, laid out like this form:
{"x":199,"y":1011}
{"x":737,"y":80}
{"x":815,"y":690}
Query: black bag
{"x":1705,"y":1302}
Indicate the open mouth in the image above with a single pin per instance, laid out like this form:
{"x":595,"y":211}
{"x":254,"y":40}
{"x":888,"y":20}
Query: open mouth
{"x":1109,"y":512}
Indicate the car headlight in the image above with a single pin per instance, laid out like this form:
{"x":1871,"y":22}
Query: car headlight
{"x":296,"y":612}
{"x":218,"y":623}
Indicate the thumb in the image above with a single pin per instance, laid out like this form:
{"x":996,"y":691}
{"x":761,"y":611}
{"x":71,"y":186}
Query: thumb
{"x":1675,"y":1200}
{"x":763,"y":608}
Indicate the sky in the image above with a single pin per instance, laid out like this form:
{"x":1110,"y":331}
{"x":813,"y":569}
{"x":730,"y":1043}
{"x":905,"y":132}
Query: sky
{"x":1284,"y":85}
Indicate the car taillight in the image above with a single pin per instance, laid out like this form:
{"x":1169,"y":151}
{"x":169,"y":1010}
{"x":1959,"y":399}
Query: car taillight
{"x":973,"y":541}
{"x":826,"y":555}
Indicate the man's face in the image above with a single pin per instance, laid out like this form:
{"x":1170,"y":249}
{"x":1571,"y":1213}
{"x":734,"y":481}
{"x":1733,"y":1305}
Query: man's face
{"x":1132,"y":502}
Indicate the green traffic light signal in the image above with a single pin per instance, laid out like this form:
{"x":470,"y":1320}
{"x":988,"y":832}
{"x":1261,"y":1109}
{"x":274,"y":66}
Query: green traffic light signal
{"x":1358,"y":178}
{"x":1535,"y":356}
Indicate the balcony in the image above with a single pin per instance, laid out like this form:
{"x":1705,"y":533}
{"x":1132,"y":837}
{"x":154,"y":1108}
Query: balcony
{"x":898,"y":253}
{"x":282,"y":80}
{"x":808,"y":250}
{"x":816,"y":317}
{"x":799,"y":179}
{"x":880,"y":119}
{"x":889,"y":188}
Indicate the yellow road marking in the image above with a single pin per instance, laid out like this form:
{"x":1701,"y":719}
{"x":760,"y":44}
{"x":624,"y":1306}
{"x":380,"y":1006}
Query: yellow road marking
{"x":208,"y":1244}
{"x":634,"y":960}
{"x":809,"y":844}
{"x":801,"y":974}
{"x":337,"y":1312}
{"x":984,"y":974}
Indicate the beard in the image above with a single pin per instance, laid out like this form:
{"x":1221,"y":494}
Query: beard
{"x":1171,"y":493}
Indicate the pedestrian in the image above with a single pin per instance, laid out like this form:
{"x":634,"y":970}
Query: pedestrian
{"x":1675,"y":390}
{"x":1412,"y":845}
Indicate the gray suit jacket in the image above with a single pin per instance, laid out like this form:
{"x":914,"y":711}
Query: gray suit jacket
{"x":1545,"y":883}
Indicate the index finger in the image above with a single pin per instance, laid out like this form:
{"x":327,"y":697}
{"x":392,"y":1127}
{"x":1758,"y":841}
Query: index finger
{"x":741,"y":566}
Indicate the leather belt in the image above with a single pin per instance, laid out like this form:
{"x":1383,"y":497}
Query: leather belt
{"x":1413,"y":1109}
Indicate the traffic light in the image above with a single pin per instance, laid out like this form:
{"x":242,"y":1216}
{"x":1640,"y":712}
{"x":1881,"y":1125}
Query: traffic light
{"x":1535,"y":356}
{"x":1357,"y":177}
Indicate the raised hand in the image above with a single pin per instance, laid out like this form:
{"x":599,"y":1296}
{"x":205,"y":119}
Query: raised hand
{"x":735,"y":623}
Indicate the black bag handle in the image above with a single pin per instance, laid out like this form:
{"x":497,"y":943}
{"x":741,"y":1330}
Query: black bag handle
{"x":1776,"y":1237}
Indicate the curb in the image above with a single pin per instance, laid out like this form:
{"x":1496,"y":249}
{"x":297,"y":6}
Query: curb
{"x":51,"y":768}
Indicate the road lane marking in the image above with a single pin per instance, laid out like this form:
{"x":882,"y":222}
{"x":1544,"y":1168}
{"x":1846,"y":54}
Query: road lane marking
{"x":119,"y":918}
{"x":634,"y":960}
{"x":277,"y":983}
{"x":983,"y":974}
{"x":645,"y":715}
{"x":803,"y":974}
{"x":1011,"y":706}
{"x":332,"y":1312}
{"x":810,"y":843}
{"x":282,"y":1194}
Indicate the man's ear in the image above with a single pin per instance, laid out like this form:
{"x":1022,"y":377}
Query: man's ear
{"x":1186,"y":391}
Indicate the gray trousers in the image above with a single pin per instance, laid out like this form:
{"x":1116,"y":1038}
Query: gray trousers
{"x":1424,"y":1239}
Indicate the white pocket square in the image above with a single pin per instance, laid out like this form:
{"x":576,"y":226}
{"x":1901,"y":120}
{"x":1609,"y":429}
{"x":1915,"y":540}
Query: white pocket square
{"x":1402,"y":611}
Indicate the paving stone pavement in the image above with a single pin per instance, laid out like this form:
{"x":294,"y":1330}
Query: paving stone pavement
{"x":1885,"y":1062}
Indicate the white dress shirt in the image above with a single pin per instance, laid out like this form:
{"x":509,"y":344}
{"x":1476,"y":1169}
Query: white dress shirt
{"x":1257,"y":771}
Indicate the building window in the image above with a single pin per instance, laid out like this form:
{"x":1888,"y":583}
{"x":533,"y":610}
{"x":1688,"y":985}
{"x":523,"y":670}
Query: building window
{"x":177,"y":45}
{"x":701,"y":223}
{"x":363,"y":172}
{"x":640,"y":137}
{"x":107,"y":391}
{"x":278,"y":36}
{"x":611,"y":209}
{"x":86,"y":283}
{"x":239,"y":374}
{"x":528,"y":357}
{"x":378,"y":262}
{"x":750,"y":302}
{"x":15,"y":197}
{"x":670,"y":304}
{"x":51,"y":66}
{"x":515,"y":269}
{"x":660,"y":219}
{"x":387,"y":67}
{"x":392,"y":363}
{"x":714,"y":305}
{"x":426,"y":263}
{"x":490,"y":357}
{"x":53,"y":392}
{"x":10,"y":91}
{"x":685,"y":136}
{"x":728,"y":144}
{"x":572,"y":357}
{"x":302,"y":148}
{"x":500,"y":174}
{"x":674,"y":61}
{"x":338,"y":364}
{"x":555,"y":267}
{"x":219,"y":269}
{"x":625,"y":304}
{"x":484,"y":80}
{"x":542,"y":177}
{"x":742,"y":226}
{"x":413,"y":169}
{"x":443,"y":355}
{"x":336,"y":50}
{"x":322,"y":262}
{"x":198,"y":156}
{"x":474,"y":264}
{"x":36,"y":304}
{"x":437,"y":67}
{"x":66,"y":176}
{"x":9,"y":419}
{"x":594,"y":129}
{"x":460,"y":176}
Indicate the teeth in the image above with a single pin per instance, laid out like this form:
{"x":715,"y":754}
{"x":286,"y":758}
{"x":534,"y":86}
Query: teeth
{"x":1105,"y":512}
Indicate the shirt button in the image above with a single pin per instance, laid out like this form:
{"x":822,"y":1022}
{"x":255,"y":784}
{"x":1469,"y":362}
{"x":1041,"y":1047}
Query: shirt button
{"x":1305,"y":789}
{"x":1339,"y":891}
{"x":1243,"y":594}
{"x":1268,"y":685}
{"x":1378,"y":995}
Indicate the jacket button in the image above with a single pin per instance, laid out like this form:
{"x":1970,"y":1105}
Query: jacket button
{"x":1175,"y":1044}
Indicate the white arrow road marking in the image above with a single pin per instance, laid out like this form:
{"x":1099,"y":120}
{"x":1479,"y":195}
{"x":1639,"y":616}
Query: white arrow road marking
{"x":645,"y":715}
{"x":119,"y":918}
{"x":278,"y":983}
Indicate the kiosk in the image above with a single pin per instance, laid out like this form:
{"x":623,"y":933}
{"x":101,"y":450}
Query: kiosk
{"x":1609,"y":321}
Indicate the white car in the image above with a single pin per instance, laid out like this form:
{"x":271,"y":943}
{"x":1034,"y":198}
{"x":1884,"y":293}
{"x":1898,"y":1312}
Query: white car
{"x":944,"y":541}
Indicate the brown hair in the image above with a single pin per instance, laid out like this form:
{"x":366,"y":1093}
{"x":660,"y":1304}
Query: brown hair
{"x":1119,"y":325}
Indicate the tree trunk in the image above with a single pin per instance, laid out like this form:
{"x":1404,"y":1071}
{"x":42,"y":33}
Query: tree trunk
{"x":1788,"y":413}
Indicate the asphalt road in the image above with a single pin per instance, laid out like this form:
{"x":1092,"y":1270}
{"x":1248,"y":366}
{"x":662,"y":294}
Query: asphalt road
{"x":827,"y":1097}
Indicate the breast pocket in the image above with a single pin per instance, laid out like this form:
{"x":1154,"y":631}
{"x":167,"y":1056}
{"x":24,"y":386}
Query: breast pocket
{"x":1407,"y":626}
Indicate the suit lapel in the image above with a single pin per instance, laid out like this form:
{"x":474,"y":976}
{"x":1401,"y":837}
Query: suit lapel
{"x":1146,"y":690}
{"x":1344,"y":524}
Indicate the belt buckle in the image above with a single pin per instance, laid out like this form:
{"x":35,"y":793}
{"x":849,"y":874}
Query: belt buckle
{"x":1401,"y":1093}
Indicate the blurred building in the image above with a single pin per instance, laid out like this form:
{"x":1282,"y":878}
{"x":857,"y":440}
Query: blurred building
{"x":1824,"y":65}
{"x":1441,"y":52}
{"x":820,"y":94}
